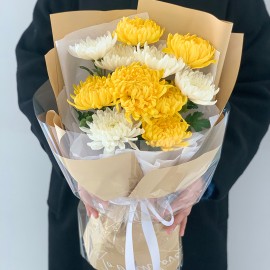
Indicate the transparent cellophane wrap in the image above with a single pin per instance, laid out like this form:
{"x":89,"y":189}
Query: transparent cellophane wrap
{"x":138,"y":187}
{"x":103,"y":240}
{"x":136,"y":192}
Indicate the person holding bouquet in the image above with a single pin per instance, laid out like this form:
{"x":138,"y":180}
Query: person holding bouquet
{"x":205,"y":240}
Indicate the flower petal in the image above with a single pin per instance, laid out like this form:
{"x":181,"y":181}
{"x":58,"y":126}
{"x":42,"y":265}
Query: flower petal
{"x":93,"y":49}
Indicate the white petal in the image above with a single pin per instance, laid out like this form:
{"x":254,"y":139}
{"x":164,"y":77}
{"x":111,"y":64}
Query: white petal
{"x":110,"y":129}
{"x":93,"y":49}
{"x":133,"y":145}
{"x":120,"y":55}
{"x":201,"y":102}
{"x":154,"y":58}
{"x":197,"y":86}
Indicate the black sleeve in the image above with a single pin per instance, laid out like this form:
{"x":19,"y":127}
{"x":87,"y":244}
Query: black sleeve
{"x":35,"y":42}
{"x":250,"y":101}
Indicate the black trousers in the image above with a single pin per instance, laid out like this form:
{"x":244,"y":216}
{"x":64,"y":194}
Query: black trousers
{"x":204,"y":243}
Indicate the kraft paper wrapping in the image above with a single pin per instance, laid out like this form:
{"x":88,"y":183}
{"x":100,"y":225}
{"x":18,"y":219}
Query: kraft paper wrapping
{"x":190,"y":21}
{"x":54,"y":71}
{"x":121,"y":176}
{"x":177,"y":19}
{"x":67,"y":22}
{"x":108,"y":239}
{"x":123,"y":172}
{"x":193,"y":21}
{"x":230,"y":69}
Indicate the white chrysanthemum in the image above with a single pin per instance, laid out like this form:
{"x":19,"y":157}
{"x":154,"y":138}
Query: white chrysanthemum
{"x":120,"y":55}
{"x":154,"y":58}
{"x":110,"y":129}
{"x":198,"y":87}
{"x":93,"y":49}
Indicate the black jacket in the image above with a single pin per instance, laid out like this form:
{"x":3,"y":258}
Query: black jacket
{"x":250,"y":101}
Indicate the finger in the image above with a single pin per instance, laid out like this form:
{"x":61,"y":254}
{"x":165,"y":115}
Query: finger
{"x":91,"y":211}
{"x":88,"y":212}
{"x":183,"y":225}
{"x":177,"y":220}
{"x":94,"y":213}
{"x":182,"y":214}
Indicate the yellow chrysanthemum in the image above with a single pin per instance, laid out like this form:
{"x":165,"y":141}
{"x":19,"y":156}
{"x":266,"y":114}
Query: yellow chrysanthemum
{"x":167,"y":133}
{"x":196,"y":52}
{"x":94,"y":93}
{"x":172,"y":102}
{"x":137,"y":89}
{"x":138,"y":30}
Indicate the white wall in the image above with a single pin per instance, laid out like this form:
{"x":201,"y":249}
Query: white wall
{"x":25,"y":178}
{"x":249,"y":222}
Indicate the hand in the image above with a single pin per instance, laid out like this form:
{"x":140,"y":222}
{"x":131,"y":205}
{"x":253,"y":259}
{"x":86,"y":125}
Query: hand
{"x":183,"y":203}
{"x":180,"y":219}
{"x":87,"y":199}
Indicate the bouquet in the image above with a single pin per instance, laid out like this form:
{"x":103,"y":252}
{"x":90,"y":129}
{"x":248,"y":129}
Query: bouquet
{"x":136,"y":121}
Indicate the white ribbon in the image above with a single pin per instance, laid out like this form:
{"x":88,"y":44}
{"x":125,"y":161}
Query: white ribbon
{"x":129,"y":252}
{"x":148,"y":230}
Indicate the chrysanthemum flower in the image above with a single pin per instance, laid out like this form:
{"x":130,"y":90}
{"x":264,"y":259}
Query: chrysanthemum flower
{"x":171,"y":102}
{"x":199,"y":87}
{"x":156,"y":59}
{"x":110,"y":129}
{"x":138,"y":30}
{"x":195,"y":51}
{"x":120,"y":55}
{"x":93,"y":49}
{"x":137,"y":88}
{"x":94,"y":93}
{"x":167,"y":133}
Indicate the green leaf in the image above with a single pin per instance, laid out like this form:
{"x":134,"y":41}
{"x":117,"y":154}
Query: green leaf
{"x":89,"y":118}
{"x":84,"y":117}
{"x":196,"y":122}
{"x":188,"y":106}
{"x":191,"y":105}
{"x":83,"y":123}
{"x":80,"y":115}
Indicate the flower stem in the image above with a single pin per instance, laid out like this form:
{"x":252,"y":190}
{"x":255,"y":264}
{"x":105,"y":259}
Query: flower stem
{"x":87,"y":69}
